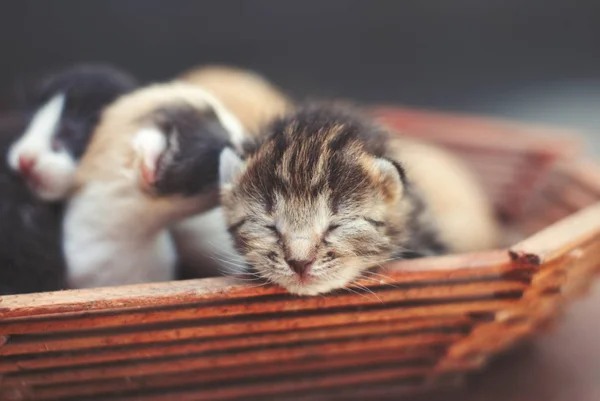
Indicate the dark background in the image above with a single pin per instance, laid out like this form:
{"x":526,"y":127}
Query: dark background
{"x":534,"y":60}
{"x":459,"y":55}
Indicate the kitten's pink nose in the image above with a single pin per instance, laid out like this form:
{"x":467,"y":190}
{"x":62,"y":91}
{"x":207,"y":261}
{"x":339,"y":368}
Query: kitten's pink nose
{"x":26,"y":164}
{"x":301,"y":267}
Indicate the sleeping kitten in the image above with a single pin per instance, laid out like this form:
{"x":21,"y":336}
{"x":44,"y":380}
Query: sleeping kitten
{"x":30,"y":253}
{"x":327,"y":196}
{"x":43,"y":148}
{"x":65,"y":111}
{"x":152,"y":161}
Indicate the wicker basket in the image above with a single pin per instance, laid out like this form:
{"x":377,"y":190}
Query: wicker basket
{"x":427,"y":322}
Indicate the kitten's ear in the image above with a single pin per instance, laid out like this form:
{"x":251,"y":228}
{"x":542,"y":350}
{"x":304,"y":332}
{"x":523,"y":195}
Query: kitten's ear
{"x":231,"y":167}
{"x":149,"y":145}
{"x":391,"y":177}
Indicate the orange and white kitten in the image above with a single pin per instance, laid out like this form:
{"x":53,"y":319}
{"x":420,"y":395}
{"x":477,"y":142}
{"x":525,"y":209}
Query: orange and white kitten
{"x":203,"y":243}
{"x":153,"y":160}
{"x":248,"y":95}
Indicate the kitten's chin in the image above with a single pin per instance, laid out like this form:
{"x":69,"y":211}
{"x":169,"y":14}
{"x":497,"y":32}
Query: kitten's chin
{"x":50,"y":192}
{"x":316,"y":287}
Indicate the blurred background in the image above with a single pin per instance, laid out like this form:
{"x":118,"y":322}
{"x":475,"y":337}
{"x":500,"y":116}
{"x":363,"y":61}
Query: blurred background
{"x":535,"y":60}
{"x":529,"y":59}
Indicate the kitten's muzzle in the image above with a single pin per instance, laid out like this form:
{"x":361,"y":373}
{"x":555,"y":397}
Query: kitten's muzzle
{"x":26,"y":168}
{"x":300,"y":267}
{"x":26,"y":164}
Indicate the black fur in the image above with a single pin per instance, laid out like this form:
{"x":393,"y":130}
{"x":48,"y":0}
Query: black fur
{"x":194,"y":167}
{"x":88,"y":90}
{"x":31,"y":258}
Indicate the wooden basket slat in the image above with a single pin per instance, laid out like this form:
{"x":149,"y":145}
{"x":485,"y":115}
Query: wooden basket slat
{"x":537,"y":304}
{"x":227,"y":343}
{"x":582,"y":265}
{"x":404,"y":382}
{"x":584,"y":173}
{"x":575,"y":185}
{"x":570,"y":264}
{"x":561,"y":237}
{"x":484,"y":133}
{"x":553,"y":211}
{"x":528,"y":151}
{"x":476,"y":306}
{"x":195,"y":292}
{"x":571,"y":197}
{"x":527,"y":176}
{"x":273,"y":389}
{"x":391,"y":390}
{"x":279,"y":353}
{"x":408,"y":356}
{"x":383,"y":294}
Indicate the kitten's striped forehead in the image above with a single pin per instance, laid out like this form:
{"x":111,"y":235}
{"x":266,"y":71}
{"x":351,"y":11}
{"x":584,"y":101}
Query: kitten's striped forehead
{"x":307,"y":159}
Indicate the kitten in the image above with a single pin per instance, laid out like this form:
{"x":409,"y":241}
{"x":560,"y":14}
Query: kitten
{"x":203,"y":243}
{"x":152,"y":161}
{"x":30,"y":253}
{"x":327,"y":196}
{"x":42,"y":146}
{"x":249,"y":96}
{"x":65,"y":111}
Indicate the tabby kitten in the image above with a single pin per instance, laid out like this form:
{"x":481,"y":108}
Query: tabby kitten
{"x":326,"y":197}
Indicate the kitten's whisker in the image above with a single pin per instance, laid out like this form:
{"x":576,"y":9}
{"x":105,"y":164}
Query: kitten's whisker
{"x":369,"y":279}
{"x":241,"y":278}
{"x":235,"y":265}
{"x":381,"y":277}
{"x":232,"y":260}
{"x":368,"y":290}
{"x":257,"y":286}
{"x":372,"y":263}
{"x":224,"y":253}
{"x":222,"y":259}
{"x":356,"y":293}
{"x":378,"y":274}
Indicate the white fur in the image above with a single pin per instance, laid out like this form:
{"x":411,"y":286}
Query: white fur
{"x":53,"y":170}
{"x":149,"y":144}
{"x":206,"y":235}
{"x":231,"y":166}
{"x":109,"y":240}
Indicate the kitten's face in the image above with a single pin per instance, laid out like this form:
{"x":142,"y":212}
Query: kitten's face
{"x":178,"y":152}
{"x":41,"y":155}
{"x":67,"y":107}
{"x":312,"y":230}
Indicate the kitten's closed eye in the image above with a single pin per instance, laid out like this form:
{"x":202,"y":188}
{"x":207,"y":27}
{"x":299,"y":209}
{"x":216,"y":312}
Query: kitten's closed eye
{"x":332,"y":227}
{"x":275,"y":232}
{"x":374,"y":223}
{"x":234,"y":227}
